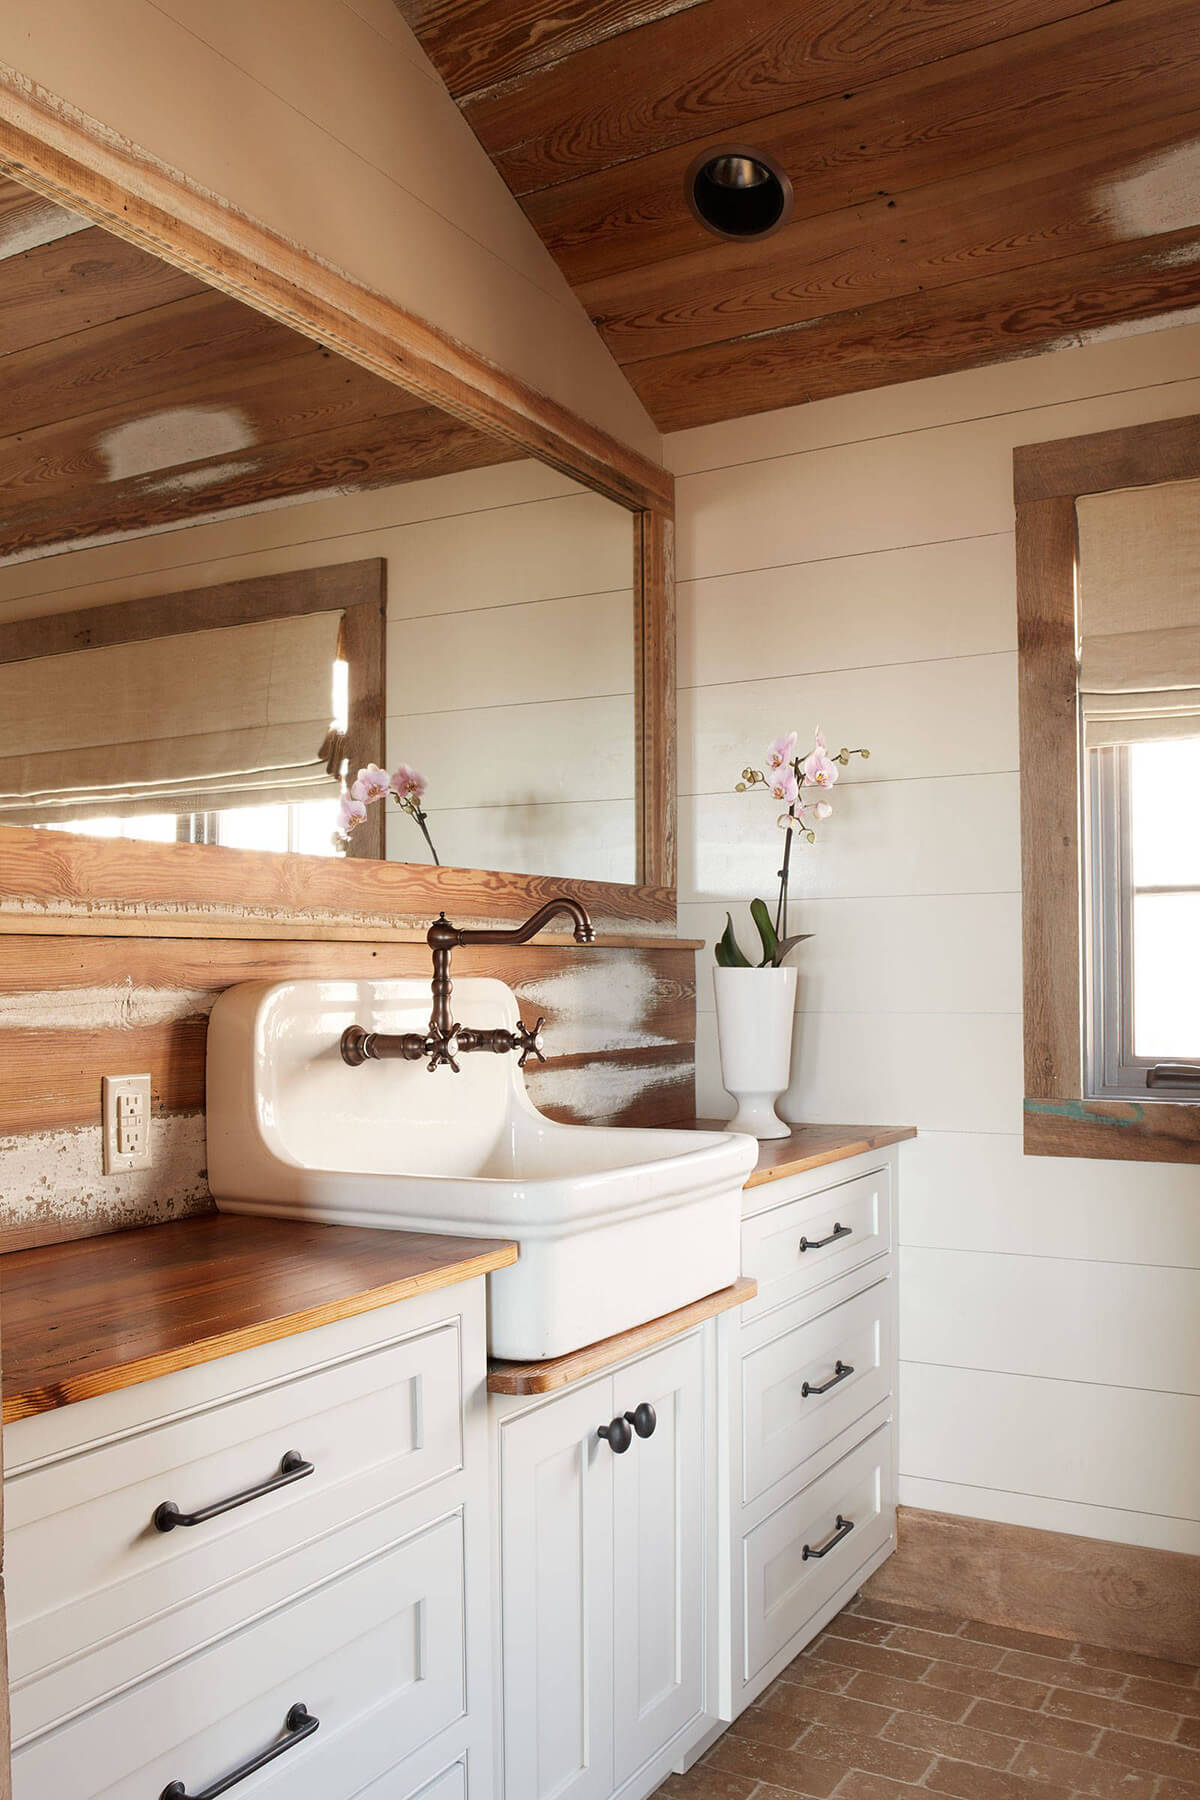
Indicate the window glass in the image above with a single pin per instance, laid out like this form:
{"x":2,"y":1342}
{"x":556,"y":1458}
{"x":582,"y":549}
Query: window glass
{"x":1165,"y":813}
{"x":1166,"y":968}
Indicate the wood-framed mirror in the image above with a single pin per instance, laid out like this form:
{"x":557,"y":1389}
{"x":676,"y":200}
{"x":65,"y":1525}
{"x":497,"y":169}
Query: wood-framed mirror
{"x":234,"y":381}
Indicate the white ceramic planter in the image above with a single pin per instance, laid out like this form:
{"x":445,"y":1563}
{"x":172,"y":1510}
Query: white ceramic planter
{"x":754,"y":1022}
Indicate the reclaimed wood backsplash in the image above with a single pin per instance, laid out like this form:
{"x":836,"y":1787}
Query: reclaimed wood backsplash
{"x":620,"y":1031}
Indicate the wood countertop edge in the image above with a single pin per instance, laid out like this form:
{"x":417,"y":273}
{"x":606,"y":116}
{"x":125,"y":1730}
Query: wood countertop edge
{"x":593,"y":1359}
{"x":876,"y":1139}
{"x":109,"y":1378}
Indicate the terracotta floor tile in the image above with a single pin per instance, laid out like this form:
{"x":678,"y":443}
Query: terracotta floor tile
{"x":909,"y":1696}
{"x":859,"y":1750}
{"x":858,"y":1785}
{"x":706,"y":1783}
{"x":810,"y":1671}
{"x":962,"y":1742}
{"x":771,"y":1728}
{"x":1117,"y":1715}
{"x":800,"y":1773}
{"x":882,"y":1658}
{"x":1165,"y":1695}
{"x":1084,"y":1774}
{"x":804,"y":1706}
{"x":1036,"y":1727}
{"x":944,"y":1649}
{"x":1179,"y":1760}
{"x":1189,"y":1732}
{"x":1177,"y":1790}
{"x":1062,"y":1674}
{"x":988,"y":1684}
{"x":868,"y":1631}
{"x":967,"y":1781}
{"x":896,"y":1613}
{"x":1008,"y":1639}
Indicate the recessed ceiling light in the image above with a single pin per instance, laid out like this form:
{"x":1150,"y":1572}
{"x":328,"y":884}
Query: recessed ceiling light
{"x":738,"y":193}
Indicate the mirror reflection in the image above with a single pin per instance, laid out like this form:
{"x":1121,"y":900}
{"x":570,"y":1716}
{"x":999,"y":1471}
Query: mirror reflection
{"x":235,"y":571}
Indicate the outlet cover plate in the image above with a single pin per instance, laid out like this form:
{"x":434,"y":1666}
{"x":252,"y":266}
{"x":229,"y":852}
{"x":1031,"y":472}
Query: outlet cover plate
{"x":126,"y":1117}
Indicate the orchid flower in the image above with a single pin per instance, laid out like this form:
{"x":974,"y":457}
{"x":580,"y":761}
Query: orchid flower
{"x":371,"y":783}
{"x":819,"y":768}
{"x":351,"y":814}
{"x":784,"y":785}
{"x":781,"y":752}
{"x":408,"y":785}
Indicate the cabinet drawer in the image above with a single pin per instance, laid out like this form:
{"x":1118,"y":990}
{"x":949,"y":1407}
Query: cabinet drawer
{"x":785,"y":1587}
{"x":785,"y":1418}
{"x":379,"y":1646}
{"x":85,"y":1563}
{"x":796,"y":1248}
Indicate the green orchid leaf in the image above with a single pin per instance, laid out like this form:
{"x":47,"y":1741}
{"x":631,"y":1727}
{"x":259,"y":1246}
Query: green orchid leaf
{"x":729,"y":951}
{"x":766,"y":931}
{"x":789,"y":943}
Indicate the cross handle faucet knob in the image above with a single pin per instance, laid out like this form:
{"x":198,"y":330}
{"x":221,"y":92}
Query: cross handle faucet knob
{"x":529,"y":1043}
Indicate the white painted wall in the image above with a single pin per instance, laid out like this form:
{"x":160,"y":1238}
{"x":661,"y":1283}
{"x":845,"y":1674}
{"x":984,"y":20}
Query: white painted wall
{"x":509,"y":648}
{"x":850,"y":564}
{"x":325,"y":120}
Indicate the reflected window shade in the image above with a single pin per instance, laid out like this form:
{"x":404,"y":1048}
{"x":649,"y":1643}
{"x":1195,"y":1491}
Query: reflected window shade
{"x":1139,"y":604}
{"x":203,"y":721}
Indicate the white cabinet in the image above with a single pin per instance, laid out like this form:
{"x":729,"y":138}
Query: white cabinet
{"x":607,"y":1574}
{"x":358,"y":1591}
{"x":812,"y":1386}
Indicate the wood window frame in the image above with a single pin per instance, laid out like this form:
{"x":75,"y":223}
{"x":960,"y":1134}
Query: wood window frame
{"x":1048,"y":480}
{"x":58,"y":153}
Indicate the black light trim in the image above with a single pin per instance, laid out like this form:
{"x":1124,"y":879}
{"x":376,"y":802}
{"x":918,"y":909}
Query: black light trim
{"x":738,"y":193}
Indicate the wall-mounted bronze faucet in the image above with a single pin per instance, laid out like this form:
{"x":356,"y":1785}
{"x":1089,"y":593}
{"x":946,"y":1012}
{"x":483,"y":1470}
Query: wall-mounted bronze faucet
{"x":445,"y":1040}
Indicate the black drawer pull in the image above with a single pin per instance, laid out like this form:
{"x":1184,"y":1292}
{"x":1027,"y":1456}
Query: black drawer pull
{"x":298,"y":1725}
{"x":820,"y":1243}
{"x":292,"y":1468}
{"x":643,"y":1419}
{"x":840,"y":1372}
{"x":619,"y":1435}
{"x":842,"y":1530}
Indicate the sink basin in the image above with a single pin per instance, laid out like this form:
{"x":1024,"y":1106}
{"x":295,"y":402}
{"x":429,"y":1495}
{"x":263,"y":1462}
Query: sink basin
{"x":615,"y":1225}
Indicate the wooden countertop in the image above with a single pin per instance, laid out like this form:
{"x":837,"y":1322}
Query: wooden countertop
{"x":812,"y":1146}
{"x":544,"y":1377}
{"x":85,"y":1318}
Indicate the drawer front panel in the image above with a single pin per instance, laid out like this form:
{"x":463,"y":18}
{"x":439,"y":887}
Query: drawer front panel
{"x":84,"y":1560}
{"x":383,"y":1642}
{"x":794,"y":1249}
{"x":784,"y":1587}
{"x":786,"y":1419}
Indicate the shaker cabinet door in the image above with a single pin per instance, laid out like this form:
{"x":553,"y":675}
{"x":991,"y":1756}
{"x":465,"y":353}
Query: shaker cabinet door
{"x":556,"y":1574}
{"x":658,"y":1540}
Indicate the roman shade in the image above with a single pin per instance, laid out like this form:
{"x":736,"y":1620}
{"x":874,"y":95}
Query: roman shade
{"x":202,"y":721}
{"x":1139,"y":613}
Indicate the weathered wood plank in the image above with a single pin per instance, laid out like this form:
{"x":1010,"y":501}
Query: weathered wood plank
{"x":999,"y":221}
{"x":1131,"y":456}
{"x":1114,"y":1130}
{"x":27,"y":221}
{"x":966,"y":326}
{"x":689,"y":76}
{"x":1122,"y":1596}
{"x":655,"y":703}
{"x":1051,"y":881}
{"x":1136,"y":64}
{"x":74,"y":283}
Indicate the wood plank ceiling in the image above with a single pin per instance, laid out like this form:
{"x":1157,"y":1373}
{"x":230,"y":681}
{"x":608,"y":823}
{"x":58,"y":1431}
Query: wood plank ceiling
{"x":974,"y":179}
{"x":136,"y":398}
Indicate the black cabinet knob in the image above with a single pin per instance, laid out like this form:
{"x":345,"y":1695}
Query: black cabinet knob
{"x":618,"y":1434}
{"x":643,"y":1418}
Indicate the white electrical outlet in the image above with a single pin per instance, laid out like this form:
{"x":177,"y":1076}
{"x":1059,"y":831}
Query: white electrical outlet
{"x":126,"y":1112}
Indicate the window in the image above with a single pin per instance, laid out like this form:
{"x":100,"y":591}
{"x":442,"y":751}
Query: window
{"x":1144,"y":928}
{"x":306,"y":826}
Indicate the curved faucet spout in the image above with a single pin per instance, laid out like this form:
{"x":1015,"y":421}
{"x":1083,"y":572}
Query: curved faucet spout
{"x":443,"y":935}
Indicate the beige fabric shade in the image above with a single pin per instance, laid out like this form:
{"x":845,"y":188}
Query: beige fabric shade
{"x":1139,"y":605}
{"x":198,"y":722}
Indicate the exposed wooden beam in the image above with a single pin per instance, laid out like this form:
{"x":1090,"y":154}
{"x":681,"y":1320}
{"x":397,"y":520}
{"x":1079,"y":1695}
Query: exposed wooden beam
{"x":80,"y":281}
{"x":1136,"y":64}
{"x":27,"y":221}
{"x":960,"y":327}
{"x":692,"y":75}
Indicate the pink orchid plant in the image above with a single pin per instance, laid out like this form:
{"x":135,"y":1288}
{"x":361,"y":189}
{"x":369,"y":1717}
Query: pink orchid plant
{"x":407,"y":788}
{"x":786,"y":777}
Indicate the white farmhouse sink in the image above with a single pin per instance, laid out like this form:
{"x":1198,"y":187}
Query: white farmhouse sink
{"x":615,"y":1225}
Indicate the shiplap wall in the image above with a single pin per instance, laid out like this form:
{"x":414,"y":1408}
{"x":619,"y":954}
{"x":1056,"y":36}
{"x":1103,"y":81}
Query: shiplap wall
{"x":851,"y":564}
{"x":509,"y":648}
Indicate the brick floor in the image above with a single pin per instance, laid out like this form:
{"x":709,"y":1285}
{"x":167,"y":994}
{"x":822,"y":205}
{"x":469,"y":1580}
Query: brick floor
{"x":894,"y":1703}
